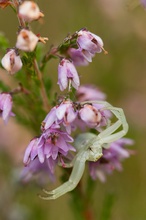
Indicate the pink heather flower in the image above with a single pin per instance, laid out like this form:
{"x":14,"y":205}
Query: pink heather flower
{"x":67,"y":74}
{"x":143,"y":2}
{"x":89,"y":41}
{"x":90,"y":115}
{"x":89,"y":92}
{"x":26,"y":40}
{"x":40,"y":169}
{"x":67,"y":114}
{"x":51,"y":143}
{"x":29,"y":11}
{"x":111,"y":159}
{"x":80,"y":57}
{"x":50,"y":119}
{"x":63,"y":114}
{"x":5,"y":106}
{"x":11,"y":61}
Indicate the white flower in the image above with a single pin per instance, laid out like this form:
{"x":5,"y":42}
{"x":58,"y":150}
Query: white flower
{"x":11,"y":61}
{"x":26,"y":40}
{"x":29,"y":11}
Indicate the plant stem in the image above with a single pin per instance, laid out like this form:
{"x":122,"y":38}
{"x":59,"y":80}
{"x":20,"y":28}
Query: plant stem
{"x":42,"y":86}
{"x":20,"y":20}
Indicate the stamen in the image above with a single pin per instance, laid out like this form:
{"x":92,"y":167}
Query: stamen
{"x":105,"y":51}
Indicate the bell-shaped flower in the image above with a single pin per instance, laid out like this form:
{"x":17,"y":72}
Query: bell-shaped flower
{"x":48,"y":146}
{"x":89,"y":41}
{"x":39,"y":170}
{"x":90,"y":115}
{"x":89,"y":92}
{"x":6,"y":106}
{"x":111,"y":159}
{"x":67,"y":114}
{"x":29,"y":11}
{"x":80,"y":57}
{"x":11,"y":61}
{"x":32,"y":157}
{"x":26,"y":40}
{"x":67,"y":75}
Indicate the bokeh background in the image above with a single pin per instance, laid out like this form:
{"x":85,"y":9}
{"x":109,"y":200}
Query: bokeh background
{"x":121,"y":75}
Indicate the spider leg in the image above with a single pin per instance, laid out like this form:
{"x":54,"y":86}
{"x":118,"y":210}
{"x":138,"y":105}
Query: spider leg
{"x":77,"y":172}
{"x":108,"y":135}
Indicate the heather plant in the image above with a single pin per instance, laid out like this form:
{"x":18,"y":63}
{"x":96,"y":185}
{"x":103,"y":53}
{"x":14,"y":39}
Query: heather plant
{"x":74,"y":128}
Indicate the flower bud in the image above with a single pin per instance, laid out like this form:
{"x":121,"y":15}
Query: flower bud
{"x":26,"y":40}
{"x":11,"y":61}
{"x":29,"y":11}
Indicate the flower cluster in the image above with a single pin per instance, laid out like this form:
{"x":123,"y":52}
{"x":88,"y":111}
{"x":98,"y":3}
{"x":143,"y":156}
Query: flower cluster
{"x":55,"y":144}
{"x":88,"y":44}
{"x":27,"y":41}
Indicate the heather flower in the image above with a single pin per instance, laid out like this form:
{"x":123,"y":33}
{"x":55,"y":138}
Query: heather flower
{"x":80,"y":57}
{"x":11,"y":61}
{"x":50,"y":119}
{"x":48,"y":146}
{"x":26,"y":40}
{"x":90,"y":115}
{"x":111,"y":159}
{"x":89,"y":92}
{"x":29,"y":11}
{"x":67,"y":75}
{"x":35,"y":168}
{"x":89,"y":41}
{"x":5,"y":106}
{"x":63,"y":114}
{"x":4,"y":3}
{"x":67,"y":113}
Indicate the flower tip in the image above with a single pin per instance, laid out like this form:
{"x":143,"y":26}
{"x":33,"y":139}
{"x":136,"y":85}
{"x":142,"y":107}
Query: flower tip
{"x":105,"y":51}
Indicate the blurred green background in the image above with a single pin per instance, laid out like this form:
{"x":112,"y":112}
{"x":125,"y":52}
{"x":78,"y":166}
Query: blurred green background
{"x":121,"y":75}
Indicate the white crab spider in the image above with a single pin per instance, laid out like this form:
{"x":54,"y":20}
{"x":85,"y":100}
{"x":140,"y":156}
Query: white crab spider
{"x":89,"y":147}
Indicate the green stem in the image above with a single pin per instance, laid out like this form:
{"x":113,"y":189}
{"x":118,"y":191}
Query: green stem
{"x":42,"y":86}
{"x":82,"y":204}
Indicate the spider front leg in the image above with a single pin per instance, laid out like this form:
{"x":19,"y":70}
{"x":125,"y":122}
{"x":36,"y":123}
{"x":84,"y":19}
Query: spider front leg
{"x":108,"y":135}
{"x":77,"y":172}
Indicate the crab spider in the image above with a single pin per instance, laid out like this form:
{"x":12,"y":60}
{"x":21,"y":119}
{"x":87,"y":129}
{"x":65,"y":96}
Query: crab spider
{"x":89,"y":147}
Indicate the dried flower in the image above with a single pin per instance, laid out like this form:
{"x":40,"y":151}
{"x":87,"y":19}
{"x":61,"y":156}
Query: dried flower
{"x":6,"y":106}
{"x":11,"y":61}
{"x":4,"y":3}
{"x":67,"y":74}
{"x":26,"y":40}
{"x":29,"y":11}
